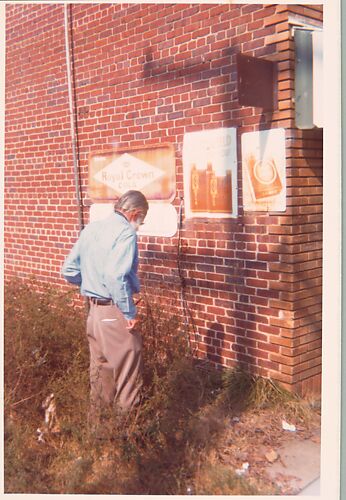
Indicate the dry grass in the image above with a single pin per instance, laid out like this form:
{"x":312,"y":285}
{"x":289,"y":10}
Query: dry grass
{"x":166,"y":446}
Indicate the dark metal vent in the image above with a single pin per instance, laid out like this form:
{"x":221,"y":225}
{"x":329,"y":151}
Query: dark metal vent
{"x":257,"y":82}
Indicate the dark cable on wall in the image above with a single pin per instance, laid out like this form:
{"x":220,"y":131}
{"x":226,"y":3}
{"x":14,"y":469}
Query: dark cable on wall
{"x":72,"y":99}
{"x":187,"y":313}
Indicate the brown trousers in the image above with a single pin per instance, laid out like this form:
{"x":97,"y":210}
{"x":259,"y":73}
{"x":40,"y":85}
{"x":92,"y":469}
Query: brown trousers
{"x":115,"y":359}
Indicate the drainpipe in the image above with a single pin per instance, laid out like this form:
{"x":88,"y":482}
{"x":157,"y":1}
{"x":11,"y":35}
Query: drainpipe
{"x":72,"y":120}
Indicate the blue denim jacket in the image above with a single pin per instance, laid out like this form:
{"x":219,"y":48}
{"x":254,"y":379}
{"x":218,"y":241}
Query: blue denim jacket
{"x":104,"y":262}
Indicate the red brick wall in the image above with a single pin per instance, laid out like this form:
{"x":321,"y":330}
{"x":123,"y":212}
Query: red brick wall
{"x":147,"y":74}
{"x":40,"y":213}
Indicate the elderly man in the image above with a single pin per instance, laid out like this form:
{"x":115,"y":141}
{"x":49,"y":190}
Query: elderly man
{"x":104,"y":263}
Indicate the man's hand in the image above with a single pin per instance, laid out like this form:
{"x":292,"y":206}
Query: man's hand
{"x":131,"y":323}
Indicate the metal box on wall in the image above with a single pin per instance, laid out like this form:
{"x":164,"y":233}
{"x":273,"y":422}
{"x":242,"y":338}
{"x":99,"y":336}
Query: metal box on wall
{"x":256,"y":82}
{"x":308,"y":78}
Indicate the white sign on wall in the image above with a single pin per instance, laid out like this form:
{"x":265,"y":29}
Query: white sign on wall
{"x":161,"y":219}
{"x":264,"y":170}
{"x":210,"y":173}
{"x":128,"y":172}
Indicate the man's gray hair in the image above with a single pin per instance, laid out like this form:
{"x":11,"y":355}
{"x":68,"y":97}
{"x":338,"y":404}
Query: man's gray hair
{"x":132,"y":200}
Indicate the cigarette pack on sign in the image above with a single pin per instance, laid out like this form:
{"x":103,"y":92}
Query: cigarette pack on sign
{"x":264,"y":178}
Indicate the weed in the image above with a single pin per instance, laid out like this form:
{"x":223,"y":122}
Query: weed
{"x":162,"y":447}
{"x":43,"y":345}
{"x":242,"y":391}
{"x":220,"y":480}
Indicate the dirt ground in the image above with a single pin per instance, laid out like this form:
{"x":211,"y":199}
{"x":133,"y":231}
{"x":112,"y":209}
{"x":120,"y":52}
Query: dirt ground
{"x":255,"y":449}
{"x":253,"y":445}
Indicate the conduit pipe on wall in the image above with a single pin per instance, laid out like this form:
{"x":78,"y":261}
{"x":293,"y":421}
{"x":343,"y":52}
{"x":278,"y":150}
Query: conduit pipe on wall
{"x":72,"y":119}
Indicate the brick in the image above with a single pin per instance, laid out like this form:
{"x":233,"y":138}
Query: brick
{"x":239,"y":273}
{"x":276,"y":19}
{"x":264,"y":12}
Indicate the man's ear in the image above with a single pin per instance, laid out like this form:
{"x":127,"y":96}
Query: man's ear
{"x":130,"y":214}
{"x":133,"y":214}
{"x":138,"y":212}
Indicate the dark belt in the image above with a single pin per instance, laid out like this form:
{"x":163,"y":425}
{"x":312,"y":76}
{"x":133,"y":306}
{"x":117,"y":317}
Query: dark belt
{"x":101,"y":302}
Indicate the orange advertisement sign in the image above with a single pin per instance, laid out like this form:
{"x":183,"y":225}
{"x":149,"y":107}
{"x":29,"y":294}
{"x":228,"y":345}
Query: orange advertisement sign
{"x":264,"y":170}
{"x":210,"y":173}
{"x":150,"y":170}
